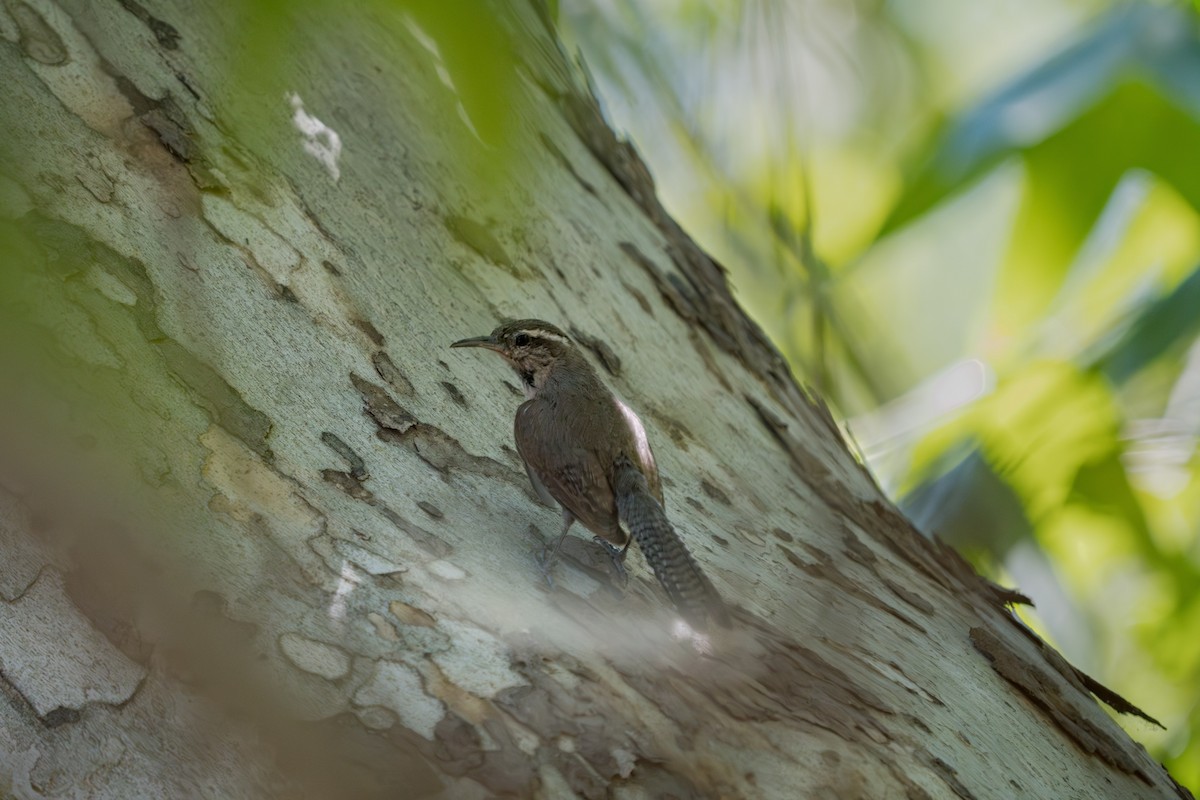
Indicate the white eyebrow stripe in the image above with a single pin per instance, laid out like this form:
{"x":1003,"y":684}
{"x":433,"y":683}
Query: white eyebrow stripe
{"x":543,"y":334}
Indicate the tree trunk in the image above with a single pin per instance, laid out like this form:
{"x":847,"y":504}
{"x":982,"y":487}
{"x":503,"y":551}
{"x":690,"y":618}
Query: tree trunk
{"x":266,"y":536}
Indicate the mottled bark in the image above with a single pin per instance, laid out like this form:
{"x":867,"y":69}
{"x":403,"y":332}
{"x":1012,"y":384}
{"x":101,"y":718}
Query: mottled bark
{"x":264,"y":534}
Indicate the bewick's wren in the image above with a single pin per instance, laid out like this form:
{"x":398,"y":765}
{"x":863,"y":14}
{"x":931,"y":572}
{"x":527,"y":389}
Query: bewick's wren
{"x":586,"y":450}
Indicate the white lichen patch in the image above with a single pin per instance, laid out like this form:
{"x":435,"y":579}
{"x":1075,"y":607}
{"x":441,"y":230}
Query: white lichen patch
{"x":398,"y":687}
{"x":315,"y":658}
{"x":476,"y":661}
{"x":446,"y":571}
{"x":269,"y":249}
{"x":320,"y":141}
{"x":54,"y":657}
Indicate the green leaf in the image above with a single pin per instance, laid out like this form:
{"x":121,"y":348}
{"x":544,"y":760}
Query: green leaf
{"x":1155,"y":44}
{"x":1172,"y":320}
{"x":969,"y":506}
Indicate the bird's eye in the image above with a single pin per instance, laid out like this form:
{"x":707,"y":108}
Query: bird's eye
{"x":521,"y":339}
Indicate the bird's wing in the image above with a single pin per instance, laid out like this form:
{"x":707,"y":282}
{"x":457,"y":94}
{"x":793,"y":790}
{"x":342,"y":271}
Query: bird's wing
{"x":538,"y":486}
{"x":573,"y":476}
{"x":642,"y":451}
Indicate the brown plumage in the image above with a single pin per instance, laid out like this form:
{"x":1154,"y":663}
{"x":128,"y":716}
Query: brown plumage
{"x":586,"y":450}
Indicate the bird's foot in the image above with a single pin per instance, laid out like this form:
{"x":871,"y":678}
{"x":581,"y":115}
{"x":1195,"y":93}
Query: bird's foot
{"x":617,"y":555}
{"x":547,"y":558}
{"x":545,"y":563}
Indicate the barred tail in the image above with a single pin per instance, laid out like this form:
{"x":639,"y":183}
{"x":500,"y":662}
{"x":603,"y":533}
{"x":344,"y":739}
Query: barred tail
{"x":673,"y":565}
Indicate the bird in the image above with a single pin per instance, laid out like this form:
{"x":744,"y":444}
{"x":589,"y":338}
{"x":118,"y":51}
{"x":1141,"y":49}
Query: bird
{"x":585,"y":450}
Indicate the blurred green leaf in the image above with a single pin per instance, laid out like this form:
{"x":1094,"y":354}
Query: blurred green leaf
{"x":480,"y":59}
{"x":1161,"y":327}
{"x":1070,"y":178}
{"x":970,"y":507}
{"x":1155,"y":44}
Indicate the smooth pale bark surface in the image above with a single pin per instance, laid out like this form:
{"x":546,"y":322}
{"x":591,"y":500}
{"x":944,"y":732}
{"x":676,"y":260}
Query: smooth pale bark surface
{"x":329,"y":583}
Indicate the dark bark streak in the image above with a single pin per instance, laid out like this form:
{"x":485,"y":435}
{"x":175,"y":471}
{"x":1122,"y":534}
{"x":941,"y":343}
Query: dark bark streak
{"x":1056,"y":690}
{"x":165,"y":34}
{"x":429,"y":542}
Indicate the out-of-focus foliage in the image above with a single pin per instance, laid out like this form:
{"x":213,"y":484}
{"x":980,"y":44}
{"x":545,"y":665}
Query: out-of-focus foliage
{"x":973,"y":227}
{"x":467,"y":59}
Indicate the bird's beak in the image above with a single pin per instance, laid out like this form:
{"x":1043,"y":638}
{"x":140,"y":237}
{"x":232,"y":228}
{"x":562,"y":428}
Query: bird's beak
{"x":478,"y":341}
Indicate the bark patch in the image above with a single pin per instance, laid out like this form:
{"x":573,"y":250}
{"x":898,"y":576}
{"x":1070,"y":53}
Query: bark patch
{"x":56,"y":659}
{"x":476,"y":236}
{"x":715,"y":492}
{"x":567,"y":165}
{"x":432,"y":445}
{"x":426,"y":540}
{"x":600,"y":349}
{"x":824,"y":569}
{"x":226,"y":404}
{"x":386,"y":368}
{"x":358,"y":467}
{"x":370,"y":330}
{"x":1058,"y":695}
{"x":459,"y":750}
{"x":585,"y":723}
{"x":38,"y":40}
{"x":429,"y":508}
{"x":166,"y":35}
{"x":454,"y":394}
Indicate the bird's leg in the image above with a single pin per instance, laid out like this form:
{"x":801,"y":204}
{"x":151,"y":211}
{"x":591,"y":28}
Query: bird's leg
{"x":545,"y":561}
{"x":617,"y":554}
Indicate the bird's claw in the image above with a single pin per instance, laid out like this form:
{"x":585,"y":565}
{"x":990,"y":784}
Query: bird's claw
{"x":545,"y":562}
{"x":617,"y":556}
{"x":549,"y":557}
